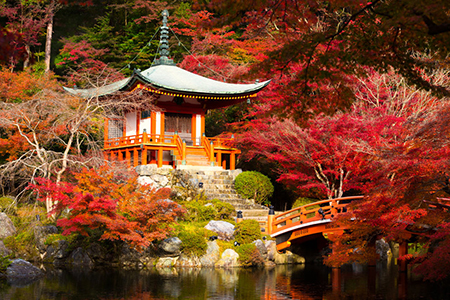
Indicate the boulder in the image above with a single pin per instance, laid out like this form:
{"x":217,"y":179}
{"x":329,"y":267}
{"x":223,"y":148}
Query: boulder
{"x":383,"y":249}
{"x":3,"y":250}
{"x":271,"y":247}
{"x":40,"y":236}
{"x":132,"y":258}
{"x":212,"y":255}
{"x":146,"y":170}
{"x":61,"y":249}
{"x":6,"y":226}
{"x":97,"y":253}
{"x":79,"y":258}
{"x":229,"y":259}
{"x":145,"y":180}
{"x":261,"y":248}
{"x":224,"y":230}
{"x":20,"y":273}
{"x":170,"y":246}
{"x":288,"y":258}
{"x":166,"y":262}
{"x":160,"y":180}
{"x":188,"y":261}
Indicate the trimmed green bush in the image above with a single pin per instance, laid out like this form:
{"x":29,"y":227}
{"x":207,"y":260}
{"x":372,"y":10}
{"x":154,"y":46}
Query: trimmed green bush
{"x":254,"y":185}
{"x":207,"y":210}
{"x":247,"y":231}
{"x":193,"y":243}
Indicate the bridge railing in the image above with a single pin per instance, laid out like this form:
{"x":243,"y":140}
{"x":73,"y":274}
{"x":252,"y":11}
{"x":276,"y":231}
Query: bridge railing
{"x":320,"y":210}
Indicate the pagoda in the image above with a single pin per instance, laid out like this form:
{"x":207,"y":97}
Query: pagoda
{"x":174,"y":133}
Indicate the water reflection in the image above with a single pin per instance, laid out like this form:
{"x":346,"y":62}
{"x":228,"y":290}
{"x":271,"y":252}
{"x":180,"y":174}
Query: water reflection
{"x":282,"y":282}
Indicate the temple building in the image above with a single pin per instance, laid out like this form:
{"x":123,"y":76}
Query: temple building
{"x":174,"y":133}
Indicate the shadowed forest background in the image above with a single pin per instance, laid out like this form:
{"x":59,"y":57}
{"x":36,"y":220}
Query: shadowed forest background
{"x":358,"y":102}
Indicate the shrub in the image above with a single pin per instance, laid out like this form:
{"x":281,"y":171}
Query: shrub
{"x":202,"y":209}
{"x":302,"y":201}
{"x":4,"y":264}
{"x":249,"y":255}
{"x":247,"y":231}
{"x":193,"y":243}
{"x":7,"y":204}
{"x":254,"y":185}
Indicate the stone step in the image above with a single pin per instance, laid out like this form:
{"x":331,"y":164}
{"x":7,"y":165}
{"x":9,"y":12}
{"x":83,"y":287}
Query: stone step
{"x":255,"y":212}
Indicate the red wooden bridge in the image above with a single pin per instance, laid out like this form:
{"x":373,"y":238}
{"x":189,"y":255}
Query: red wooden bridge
{"x":308,"y":220}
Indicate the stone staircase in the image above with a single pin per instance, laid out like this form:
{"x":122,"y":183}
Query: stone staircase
{"x":219,"y":184}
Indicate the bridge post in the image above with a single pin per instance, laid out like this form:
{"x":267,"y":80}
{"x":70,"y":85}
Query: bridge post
{"x":270,"y":220}
{"x":402,"y":250}
{"x":239,"y":217}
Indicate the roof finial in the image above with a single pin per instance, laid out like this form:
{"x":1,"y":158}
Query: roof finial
{"x":164,"y":43}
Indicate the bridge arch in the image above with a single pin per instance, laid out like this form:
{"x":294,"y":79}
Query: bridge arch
{"x":311,"y":219}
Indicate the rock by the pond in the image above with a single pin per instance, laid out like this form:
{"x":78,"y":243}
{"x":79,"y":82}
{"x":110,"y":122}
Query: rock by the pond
{"x":212,"y":255}
{"x":383,"y":249}
{"x":261,"y":248}
{"x":79,"y":258}
{"x":229,"y":259}
{"x":21,"y":273}
{"x":40,"y":235}
{"x":288,"y":258}
{"x":6,"y":226}
{"x":188,"y":261}
{"x":271,"y":247}
{"x":170,"y":246}
{"x":166,"y":262}
{"x":3,"y":250}
{"x":130,"y":257}
{"x":224,"y":230}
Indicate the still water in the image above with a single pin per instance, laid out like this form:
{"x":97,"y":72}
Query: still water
{"x":282,"y":282}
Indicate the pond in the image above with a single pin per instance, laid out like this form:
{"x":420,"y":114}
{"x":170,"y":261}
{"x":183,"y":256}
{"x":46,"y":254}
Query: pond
{"x":281,"y":282}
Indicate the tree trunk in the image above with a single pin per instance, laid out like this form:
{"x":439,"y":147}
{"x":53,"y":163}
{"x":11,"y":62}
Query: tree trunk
{"x":48,"y":40}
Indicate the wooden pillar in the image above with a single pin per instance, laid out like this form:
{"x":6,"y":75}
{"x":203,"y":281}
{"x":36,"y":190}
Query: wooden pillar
{"x":163,"y":117}
{"x":211,"y":153}
{"x":402,"y":250}
{"x":112,"y":155}
{"x":183,"y":153}
{"x":144,"y":156}
{"x":193,"y":128}
{"x":336,"y":280}
{"x":219,"y":157}
{"x":160,"y":157}
{"x":202,"y":130}
{"x":106,"y":131}
{"x":128,"y":157}
{"x":270,"y":219}
{"x":153,"y":123}
{"x":136,"y":157}
{"x":105,"y":155}
{"x":232,"y":160}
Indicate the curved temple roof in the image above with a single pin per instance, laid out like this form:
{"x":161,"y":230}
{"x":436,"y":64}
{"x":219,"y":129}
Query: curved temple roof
{"x":174,"y":79}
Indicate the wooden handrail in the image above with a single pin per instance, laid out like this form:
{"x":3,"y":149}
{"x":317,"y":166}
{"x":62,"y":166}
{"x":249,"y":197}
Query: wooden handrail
{"x":310,"y":212}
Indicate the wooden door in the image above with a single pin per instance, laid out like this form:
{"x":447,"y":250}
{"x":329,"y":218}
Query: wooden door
{"x":181,"y":123}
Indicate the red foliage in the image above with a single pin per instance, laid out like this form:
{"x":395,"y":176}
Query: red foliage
{"x":117,"y":207}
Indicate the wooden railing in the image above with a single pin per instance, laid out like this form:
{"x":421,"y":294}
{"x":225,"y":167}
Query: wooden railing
{"x":181,"y":147}
{"x":209,"y":148}
{"x":145,"y":138}
{"x":221,"y":142}
{"x":321,"y":210}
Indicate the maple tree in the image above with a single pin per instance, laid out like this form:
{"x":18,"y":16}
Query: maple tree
{"x":112,"y":203}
